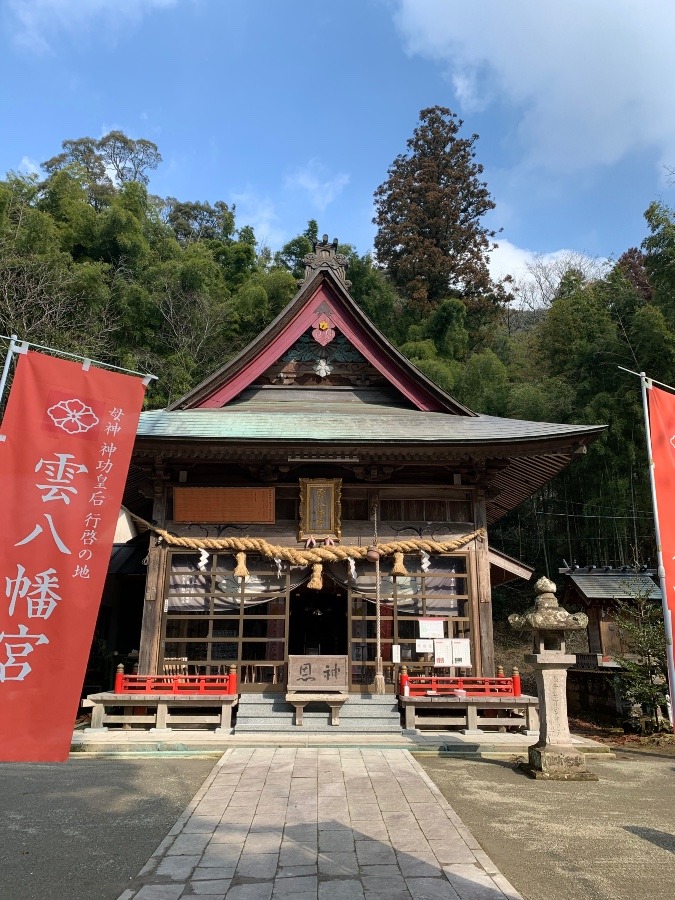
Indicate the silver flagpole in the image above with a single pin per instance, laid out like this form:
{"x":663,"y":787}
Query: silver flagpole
{"x":645,"y":384}
{"x":85,"y":359}
{"x":5,"y":368}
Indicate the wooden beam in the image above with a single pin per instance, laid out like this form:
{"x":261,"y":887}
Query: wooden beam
{"x":151,"y":628}
{"x":484,"y":591}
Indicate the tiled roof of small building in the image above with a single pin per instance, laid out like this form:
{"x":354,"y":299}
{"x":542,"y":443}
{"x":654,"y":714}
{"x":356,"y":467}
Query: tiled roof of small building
{"x":616,"y":586}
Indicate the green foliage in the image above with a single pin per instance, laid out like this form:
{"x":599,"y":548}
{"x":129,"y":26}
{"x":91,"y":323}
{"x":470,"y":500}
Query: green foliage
{"x":192,"y":221}
{"x":375,"y":294}
{"x":483,"y":384}
{"x":446,"y":326}
{"x":550,"y":399}
{"x":653,"y":342}
{"x":292,"y":254}
{"x":114,"y":154}
{"x":419,"y":350}
{"x":644,"y":676}
{"x":444,"y":373}
{"x":430,"y":237}
{"x":659,"y":247}
{"x":564,"y":367}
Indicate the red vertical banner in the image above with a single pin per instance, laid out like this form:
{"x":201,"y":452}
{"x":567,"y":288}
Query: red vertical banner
{"x":67,"y":438}
{"x":662,"y":427}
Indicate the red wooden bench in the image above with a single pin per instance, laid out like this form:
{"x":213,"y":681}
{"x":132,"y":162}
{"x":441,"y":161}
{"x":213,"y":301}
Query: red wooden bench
{"x":176,"y":684}
{"x":420,"y":685}
{"x":443,"y":701}
{"x":149,"y":699}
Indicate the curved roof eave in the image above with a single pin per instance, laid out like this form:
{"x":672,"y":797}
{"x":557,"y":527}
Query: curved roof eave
{"x":367,"y":427}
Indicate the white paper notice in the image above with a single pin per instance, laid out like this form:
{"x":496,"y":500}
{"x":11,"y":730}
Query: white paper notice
{"x":432,"y":628}
{"x":396,"y":653}
{"x":424,"y":646}
{"x":461,"y":653}
{"x":443,"y":652}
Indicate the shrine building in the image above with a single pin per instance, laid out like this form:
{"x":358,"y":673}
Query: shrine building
{"x":267,"y":484}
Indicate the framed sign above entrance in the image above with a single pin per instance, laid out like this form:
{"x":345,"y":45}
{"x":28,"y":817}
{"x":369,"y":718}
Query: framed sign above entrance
{"x":220,"y":505}
{"x":320,"y":508}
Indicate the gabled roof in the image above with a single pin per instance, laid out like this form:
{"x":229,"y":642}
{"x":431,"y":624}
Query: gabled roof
{"x":505,"y":568}
{"x":393,"y":414}
{"x":323,"y":295}
{"x":617,"y":586}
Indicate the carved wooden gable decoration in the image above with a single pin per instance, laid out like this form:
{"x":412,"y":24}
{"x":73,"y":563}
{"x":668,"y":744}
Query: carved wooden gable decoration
{"x":321,"y":339}
{"x":323,"y":363}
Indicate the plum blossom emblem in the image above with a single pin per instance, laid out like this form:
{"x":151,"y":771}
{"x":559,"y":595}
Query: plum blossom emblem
{"x":73,"y":416}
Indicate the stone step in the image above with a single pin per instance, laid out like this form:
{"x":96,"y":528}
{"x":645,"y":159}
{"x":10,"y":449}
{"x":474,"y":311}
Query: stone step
{"x":317,"y":711}
{"x":322,"y":716}
{"x":372,"y":699}
{"x":319,"y":716}
{"x":363,"y":712}
{"x":359,"y":714}
{"x":355,"y":709}
{"x":263,"y":725}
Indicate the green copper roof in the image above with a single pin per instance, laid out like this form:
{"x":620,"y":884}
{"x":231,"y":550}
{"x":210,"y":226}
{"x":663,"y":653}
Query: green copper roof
{"x":362,"y":423}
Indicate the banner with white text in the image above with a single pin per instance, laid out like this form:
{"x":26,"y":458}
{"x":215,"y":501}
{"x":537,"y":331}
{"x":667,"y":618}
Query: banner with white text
{"x":662,"y":427}
{"x":68,"y":435}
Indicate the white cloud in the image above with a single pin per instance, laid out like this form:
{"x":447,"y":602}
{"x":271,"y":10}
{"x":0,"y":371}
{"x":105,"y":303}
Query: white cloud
{"x":321,"y":187}
{"x":260,"y":214}
{"x":38,"y":22}
{"x":29,"y":166}
{"x":507,"y":259}
{"x":587,"y":82}
{"x":536,"y":275}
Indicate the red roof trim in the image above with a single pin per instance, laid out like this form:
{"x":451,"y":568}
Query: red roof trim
{"x":297,"y":326}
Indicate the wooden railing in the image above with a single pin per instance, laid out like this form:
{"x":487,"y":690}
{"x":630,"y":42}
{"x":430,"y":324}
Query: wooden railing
{"x":176,"y":684}
{"x":422,"y":685}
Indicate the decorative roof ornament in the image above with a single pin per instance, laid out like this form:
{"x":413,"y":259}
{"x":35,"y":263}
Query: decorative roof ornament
{"x":326,"y":256}
{"x":323,"y":330}
{"x":339,"y":351}
{"x":322,"y":368}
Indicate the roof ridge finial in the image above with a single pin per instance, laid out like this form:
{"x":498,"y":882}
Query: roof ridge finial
{"x":325,"y":256}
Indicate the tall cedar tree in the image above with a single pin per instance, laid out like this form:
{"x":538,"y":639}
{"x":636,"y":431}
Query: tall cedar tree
{"x":428,"y":216}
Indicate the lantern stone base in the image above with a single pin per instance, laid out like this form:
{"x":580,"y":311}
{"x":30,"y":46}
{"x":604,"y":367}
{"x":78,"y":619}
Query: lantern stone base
{"x":557,"y":763}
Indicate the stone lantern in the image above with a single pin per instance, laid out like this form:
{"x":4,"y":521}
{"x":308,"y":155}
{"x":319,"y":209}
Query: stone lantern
{"x":553,"y":756}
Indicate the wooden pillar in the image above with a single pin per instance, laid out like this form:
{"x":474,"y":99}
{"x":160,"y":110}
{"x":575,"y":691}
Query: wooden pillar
{"x":151,"y":628}
{"x":484,"y":591}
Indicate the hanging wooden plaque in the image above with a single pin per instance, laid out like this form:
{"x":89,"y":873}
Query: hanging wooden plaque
{"x":224,"y":505}
{"x":320,"y":508}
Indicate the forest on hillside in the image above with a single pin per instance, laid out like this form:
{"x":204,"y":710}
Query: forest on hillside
{"x":92,"y":262}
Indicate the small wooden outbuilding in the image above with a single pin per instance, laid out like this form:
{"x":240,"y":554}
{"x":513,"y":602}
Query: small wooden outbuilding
{"x":597,"y":591}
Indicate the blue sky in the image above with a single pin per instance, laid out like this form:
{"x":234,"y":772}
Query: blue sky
{"x":294,"y":110}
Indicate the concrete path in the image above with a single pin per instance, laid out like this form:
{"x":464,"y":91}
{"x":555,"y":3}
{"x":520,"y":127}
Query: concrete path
{"x":329,"y":824}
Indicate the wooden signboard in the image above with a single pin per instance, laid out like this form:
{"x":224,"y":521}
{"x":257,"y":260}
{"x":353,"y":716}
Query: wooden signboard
{"x":317,"y":673}
{"x":223,"y":505}
{"x":320,"y":508}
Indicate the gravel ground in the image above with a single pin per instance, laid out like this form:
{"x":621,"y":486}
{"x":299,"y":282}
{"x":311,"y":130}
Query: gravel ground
{"x":613,"y":839}
{"x":81,"y":830}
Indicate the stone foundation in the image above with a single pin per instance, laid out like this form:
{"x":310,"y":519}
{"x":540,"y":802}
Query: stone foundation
{"x":557,"y":763}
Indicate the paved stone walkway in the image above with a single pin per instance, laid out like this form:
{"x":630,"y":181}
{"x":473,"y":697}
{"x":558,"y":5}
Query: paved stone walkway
{"x":328,"y":824}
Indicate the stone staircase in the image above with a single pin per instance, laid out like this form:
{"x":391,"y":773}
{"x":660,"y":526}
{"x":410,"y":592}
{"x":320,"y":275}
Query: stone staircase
{"x":360,"y":714}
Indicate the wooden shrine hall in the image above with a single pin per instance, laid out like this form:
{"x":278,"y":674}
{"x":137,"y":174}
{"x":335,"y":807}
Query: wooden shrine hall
{"x":319,"y":496}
